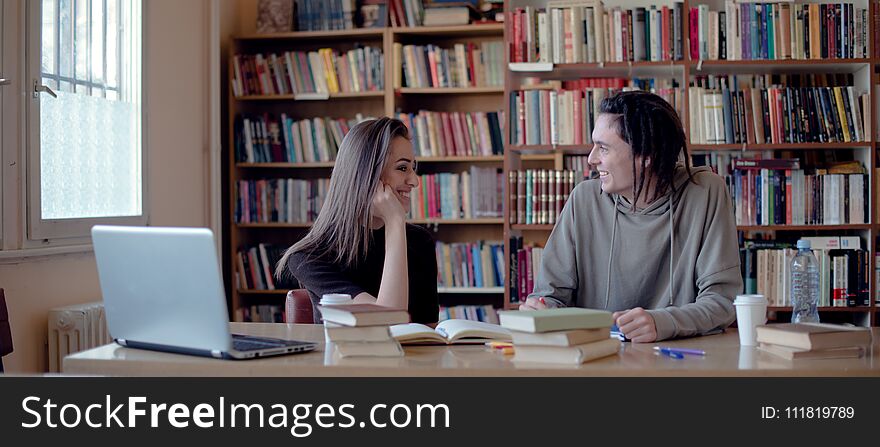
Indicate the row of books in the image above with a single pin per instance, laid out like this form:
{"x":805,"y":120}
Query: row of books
{"x":260,"y":313}
{"x":538,"y":195}
{"x":580,"y":164}
{"x":792,"y":197}
{"x":270,"y":139}
{"x":472,"y":194}
{"x":324,"y":15}
{"x":405,"y":13}
{"x":525,"y":260}
{"x":305,"y":74}
{"x":283,"y":200}
{"x":470,"y":264}
{"x":555,"y":113}
{"x":463,"y":65}
{"x":255,"y":268}
{"x":724,"y":111}
{"x":577,"y":34}
{"x":448,"y":134}
{"x":484,"y":313}
{"x":843,"y":270}
{"x":782,"y":30}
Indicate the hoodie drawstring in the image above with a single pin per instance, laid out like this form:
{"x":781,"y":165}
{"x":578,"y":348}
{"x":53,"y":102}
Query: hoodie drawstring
{"x":671,"y":251}
{"x":671,"y":247}
{"x":611,"y":256}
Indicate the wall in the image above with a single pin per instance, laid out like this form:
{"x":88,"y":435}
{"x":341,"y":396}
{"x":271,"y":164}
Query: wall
{"x":177,"y":91}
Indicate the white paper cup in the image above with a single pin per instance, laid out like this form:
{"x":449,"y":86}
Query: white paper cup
{"x":330,"y":299}
{"x":747,"y":357}
{"x":751,"y":312}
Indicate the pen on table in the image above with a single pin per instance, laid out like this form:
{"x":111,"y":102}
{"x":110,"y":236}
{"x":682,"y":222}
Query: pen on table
{"x":680,"y":350}
{"x":672,"y":354}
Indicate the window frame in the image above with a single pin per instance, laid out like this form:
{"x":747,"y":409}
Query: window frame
{"x":55,"y":232}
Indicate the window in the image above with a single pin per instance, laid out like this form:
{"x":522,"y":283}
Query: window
{"x":85,"y":147}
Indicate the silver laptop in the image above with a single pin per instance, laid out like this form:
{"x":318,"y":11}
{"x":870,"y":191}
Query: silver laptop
{"x":163,"y":290}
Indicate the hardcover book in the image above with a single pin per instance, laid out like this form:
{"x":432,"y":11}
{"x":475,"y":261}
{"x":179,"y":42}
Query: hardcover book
{"x":560,"y":319}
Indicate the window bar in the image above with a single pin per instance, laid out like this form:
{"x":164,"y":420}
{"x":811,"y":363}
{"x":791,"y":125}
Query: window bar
{"x":57,"y":30}
{"x":89,"y":47}
{"x":104,"y":48}
{"x":73,"y":43}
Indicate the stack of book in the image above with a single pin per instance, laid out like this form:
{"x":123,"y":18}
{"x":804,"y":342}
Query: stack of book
{"x":362,"y":330}
{"x":525,"y":260}
{"x":470,"y":264}
{"x":565,"y":113}
{"x":279,"y":200}
{"x":813,"y":340}
{"x":455,"y":134}
{"x":472,"y":194}
{"x":568,"y":335}
{"x":780,"y":30}
{"x":464,"y":65}
{"x":577,"y":32}
{"x":304,"y":74}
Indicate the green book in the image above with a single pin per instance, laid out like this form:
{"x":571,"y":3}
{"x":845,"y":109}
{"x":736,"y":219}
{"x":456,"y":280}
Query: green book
{"x":561,"y":319}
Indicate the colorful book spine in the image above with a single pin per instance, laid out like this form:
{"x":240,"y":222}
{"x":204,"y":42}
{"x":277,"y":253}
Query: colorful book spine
{"x":485,"y":313}
{"x":540,"y":195}
{"x":453,"y":134}
{"x":283,"y":200}
{"x":470,"y":264}
{"x":472,"y":194}
{"x":464,"y":65}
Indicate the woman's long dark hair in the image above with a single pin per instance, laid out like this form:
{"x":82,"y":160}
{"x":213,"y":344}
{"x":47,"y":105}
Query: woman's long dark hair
{"x":342,"y":230}
{"x":653,"y":129}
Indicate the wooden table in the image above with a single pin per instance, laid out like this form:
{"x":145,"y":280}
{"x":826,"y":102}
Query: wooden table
{"x":724,"y":358}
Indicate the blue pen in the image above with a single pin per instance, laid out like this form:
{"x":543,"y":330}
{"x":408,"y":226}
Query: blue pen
{"x":680,"y":350}
{"x":672,"y":354}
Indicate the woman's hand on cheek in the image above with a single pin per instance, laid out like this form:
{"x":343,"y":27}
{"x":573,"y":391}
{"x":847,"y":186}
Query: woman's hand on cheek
{"x":386,"y":205}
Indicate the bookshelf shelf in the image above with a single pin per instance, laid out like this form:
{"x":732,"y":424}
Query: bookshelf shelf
{"x":340,"y":35}
{"x":825,"y":309}
{"x":779,"y":146}
{"x":317,"y":164}
{"x":803,"y":227}
{"x":341,"y":95}
{"x":545,"y":148}
{"x":274,"y":225}
{"x":450,"y":90}
{"x":462,"y":159}
{"x":262,"y":292}
{"x":610,"y":69}
{"x":532,"y":227}
{"x":778,"y":66}
{"x":471,"y":290}
{"x":483,"y":221}
{"x":473,"y":30}
{"x":538,"y":157}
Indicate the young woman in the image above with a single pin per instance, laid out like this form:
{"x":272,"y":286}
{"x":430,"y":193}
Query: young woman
{"x":360,"y":244}
{"x":651,"y":239}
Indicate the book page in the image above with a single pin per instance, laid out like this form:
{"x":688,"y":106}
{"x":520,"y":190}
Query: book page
{"x":415,"y":333}
{"x":456,"y":330}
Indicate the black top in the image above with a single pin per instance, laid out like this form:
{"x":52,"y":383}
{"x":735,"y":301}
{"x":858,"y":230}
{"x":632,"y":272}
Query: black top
{"x":320,"y":276}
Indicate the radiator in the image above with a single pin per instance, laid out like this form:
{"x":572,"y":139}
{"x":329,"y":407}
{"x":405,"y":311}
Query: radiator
{"x":75,"y":328}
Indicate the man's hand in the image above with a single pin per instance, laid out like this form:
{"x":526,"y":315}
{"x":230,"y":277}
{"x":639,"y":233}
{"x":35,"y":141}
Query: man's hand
{"x":636,"y":324}
{"x":533,"y":304}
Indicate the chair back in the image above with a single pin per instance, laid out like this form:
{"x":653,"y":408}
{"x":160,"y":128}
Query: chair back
{"x":298,"y":307}
{"x":5,"y":329}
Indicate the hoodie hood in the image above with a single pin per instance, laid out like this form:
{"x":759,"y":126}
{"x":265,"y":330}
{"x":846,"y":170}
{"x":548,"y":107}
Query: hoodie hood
{"x":661,"y":205}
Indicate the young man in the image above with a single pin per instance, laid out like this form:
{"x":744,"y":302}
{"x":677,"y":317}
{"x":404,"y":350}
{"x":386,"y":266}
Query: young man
{"x":651,"y":239}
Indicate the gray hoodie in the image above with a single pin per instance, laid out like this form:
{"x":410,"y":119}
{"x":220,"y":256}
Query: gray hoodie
{"x":680,"y":262}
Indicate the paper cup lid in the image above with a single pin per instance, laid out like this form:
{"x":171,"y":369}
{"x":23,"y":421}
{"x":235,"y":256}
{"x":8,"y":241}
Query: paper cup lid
{"x":335,"y":298}
{"x":750,"y":299}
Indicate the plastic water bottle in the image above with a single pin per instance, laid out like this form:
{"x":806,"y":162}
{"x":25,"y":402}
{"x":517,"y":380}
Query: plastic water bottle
{"x":804,"y":285}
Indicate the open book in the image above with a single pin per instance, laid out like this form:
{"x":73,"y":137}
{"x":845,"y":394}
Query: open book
{"x":449,"y":332}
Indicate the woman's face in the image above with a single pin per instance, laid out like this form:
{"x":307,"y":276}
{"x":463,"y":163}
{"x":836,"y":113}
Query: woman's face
{"x":400,"y":170}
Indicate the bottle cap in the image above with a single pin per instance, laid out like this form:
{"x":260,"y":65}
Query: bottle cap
{"x":803,"y":243}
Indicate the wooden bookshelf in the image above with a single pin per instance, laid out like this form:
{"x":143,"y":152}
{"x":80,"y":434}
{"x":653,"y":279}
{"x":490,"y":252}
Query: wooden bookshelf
{"x":451,"y":91}
{"x":386,"y":102}
{"x":865,"y":71}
